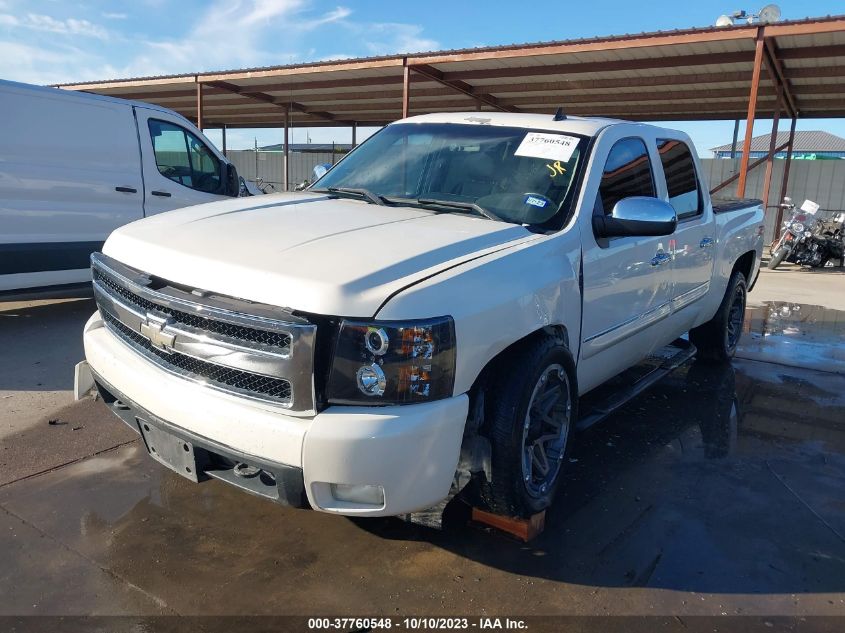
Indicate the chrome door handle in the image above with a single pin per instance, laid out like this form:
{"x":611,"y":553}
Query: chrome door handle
{"x":660,"y":258}
{"x":706,"y":242}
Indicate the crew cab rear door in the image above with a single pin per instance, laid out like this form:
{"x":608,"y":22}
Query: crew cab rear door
{"x":627,"y":280}
{"x":181,"y":168}
{"x":693,"y":244}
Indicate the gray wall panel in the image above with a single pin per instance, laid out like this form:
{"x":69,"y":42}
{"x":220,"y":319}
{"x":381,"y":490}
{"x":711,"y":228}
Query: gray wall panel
{"x":822,"y":181}
{"x":270,"y":165}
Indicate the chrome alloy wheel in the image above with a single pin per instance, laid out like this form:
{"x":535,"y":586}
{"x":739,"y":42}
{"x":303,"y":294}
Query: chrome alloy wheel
{"x":545,"y":430}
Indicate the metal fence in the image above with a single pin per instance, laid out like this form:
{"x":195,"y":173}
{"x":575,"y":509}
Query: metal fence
{"x":269,"y":166}
{"x":822,"y":181}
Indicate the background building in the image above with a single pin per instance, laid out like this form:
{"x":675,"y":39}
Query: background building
{"x":811,"y":144}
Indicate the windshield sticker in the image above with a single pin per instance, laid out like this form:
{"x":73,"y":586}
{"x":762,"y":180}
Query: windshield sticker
{"x":555,"y":169}
{"x":549,"y":146}
{"x":534,"y":201}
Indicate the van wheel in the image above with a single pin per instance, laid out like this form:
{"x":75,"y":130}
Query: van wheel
{"x":717,"y":339}
{"x":533,"y":409}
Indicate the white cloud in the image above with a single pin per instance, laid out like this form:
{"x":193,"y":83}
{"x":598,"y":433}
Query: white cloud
{"x":386,"y":38}
{"x":40,"y":65}
{"x":337,"y":15}
{"x":334,"y":57}
{"x":228,"y":35}
{"x":223,"y":34}
{"x":70,"y":26}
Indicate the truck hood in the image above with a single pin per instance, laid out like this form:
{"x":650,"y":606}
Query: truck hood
{"x":306,"y":251}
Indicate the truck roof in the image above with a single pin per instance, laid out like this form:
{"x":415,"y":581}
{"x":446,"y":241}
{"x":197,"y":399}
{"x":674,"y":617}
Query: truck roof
{"x":587,"y":126}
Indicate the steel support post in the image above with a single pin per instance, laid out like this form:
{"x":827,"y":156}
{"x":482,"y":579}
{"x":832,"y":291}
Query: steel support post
{"x":752,"y":108}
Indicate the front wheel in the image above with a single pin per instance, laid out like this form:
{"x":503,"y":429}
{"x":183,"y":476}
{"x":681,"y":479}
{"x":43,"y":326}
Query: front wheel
{"x":533,"y":409}
{"x":717,"y":339}
{"x":777,"y":257}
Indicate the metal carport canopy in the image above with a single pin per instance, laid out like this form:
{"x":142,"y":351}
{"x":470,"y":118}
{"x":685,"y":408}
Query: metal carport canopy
{"x":693,"y":74}
{"x":796,"y":68}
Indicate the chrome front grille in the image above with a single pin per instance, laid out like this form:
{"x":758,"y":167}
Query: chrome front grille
{"x":239,"y":381}
{"x":265,"y":337}
{"x":249,"y":349}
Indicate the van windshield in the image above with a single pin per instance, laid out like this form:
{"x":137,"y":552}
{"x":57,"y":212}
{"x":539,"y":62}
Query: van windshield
{"x":510,"y":174}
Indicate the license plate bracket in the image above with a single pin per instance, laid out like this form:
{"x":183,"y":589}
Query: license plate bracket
{"x":171,"y":451}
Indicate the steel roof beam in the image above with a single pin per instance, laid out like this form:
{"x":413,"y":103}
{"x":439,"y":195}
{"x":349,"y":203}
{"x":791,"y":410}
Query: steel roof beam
{"x":574,"y":84}
{"x":524,"y":89}
{"x":603,"y":66}
{"x":276,"y":101}
{"x":810,"y":52}
{"x":462,"y":87}
{"x":776,"y":72}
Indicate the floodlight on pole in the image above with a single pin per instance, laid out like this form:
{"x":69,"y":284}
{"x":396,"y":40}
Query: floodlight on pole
{"x":768,"y":14}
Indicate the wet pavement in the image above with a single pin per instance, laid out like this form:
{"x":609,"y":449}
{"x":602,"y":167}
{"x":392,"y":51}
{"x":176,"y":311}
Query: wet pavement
{"x":718,"y":491}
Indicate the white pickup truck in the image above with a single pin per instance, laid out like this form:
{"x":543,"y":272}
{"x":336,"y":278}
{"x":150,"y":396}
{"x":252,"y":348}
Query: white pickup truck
{"x":427,"y":314}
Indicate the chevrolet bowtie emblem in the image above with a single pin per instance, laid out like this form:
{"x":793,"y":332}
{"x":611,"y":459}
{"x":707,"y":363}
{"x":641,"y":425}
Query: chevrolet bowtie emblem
{"x":153,"y":329}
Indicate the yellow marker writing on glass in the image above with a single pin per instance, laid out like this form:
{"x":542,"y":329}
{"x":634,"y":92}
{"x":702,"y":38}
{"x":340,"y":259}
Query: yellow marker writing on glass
{"x":555,"y":169}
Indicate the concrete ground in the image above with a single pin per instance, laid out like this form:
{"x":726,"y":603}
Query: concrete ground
{"x":718,"y":491}
{"x":788,"y":282}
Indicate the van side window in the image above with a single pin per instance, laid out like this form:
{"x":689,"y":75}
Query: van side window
{"x":183,"y":158}
{"x":681,"y":179}
{"x":627,"y":173}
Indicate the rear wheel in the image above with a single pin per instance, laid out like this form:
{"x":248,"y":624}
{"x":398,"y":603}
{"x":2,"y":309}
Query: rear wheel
{"x":777,"y":257}
{"x":533,"y":410}
{"x":717,"y":339}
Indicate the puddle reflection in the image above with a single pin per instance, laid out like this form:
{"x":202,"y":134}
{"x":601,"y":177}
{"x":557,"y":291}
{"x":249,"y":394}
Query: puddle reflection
{"x":795,"y":334}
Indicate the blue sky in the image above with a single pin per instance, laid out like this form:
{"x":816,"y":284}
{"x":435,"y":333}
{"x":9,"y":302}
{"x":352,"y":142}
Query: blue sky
{"x":50,"y":41}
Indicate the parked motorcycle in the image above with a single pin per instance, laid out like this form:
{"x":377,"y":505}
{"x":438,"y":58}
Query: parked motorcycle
{"x":807,"y":238}
{"x":318,"y":172}
{"x":255,"y":188}
{"x":829,"y":234}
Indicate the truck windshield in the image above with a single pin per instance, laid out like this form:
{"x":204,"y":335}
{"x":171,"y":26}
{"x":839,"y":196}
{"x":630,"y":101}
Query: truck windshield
{"x":510,"y":174}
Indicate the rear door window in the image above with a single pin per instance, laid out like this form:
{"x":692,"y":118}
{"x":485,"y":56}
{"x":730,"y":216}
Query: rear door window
{"x":681,"y":180}
{"x":181,"y":157}
{"x":627,"y":172}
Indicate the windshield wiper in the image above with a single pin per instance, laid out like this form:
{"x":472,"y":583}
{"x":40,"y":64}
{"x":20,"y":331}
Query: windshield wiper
{"x":466,"y":206}
{"x":366,"y":194}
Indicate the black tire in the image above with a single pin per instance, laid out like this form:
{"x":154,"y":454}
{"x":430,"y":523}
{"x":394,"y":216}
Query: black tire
{"x":510,"y":493}
{"x":777,"y":257}
{"x":717,"y":339}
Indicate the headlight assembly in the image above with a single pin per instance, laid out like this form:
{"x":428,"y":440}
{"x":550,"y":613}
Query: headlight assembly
{"x":393,"y":362}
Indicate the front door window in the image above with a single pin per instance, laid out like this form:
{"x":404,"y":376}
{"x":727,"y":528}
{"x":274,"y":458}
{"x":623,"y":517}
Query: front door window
{"x":181,"y":157}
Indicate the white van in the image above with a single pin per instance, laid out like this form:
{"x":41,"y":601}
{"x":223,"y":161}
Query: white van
{"x":75,"y":166}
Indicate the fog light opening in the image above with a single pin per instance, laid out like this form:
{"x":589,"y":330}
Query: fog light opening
{"x":358,"y":493}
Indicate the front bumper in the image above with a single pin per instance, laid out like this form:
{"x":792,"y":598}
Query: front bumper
{"x":410,"y":451}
